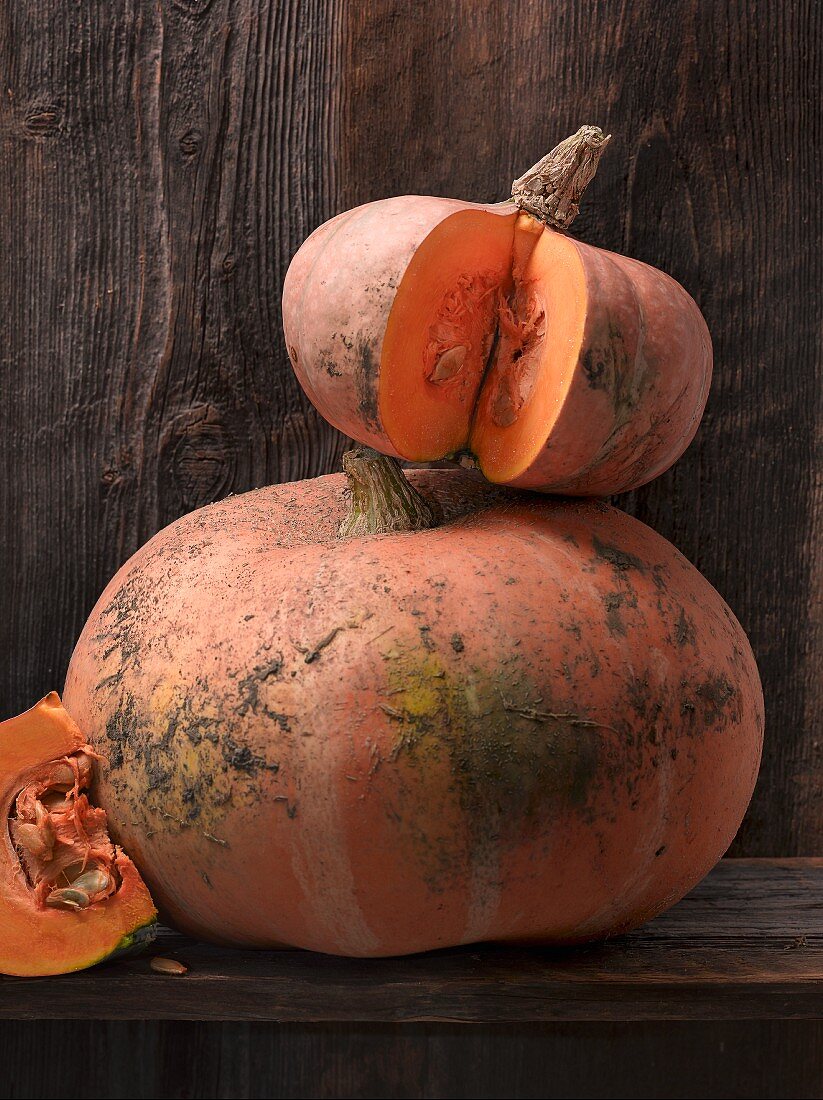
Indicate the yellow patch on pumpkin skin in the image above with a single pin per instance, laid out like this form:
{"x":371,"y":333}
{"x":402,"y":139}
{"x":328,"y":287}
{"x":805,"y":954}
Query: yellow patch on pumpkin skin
{"x":162,"y":697}
{"x":421,"y":700}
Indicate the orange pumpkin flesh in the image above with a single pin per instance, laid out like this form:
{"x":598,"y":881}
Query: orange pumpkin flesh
{"x":68,"y":898}
{"x":430,"y":328}
{"x":535,"y":721}
{"x":440,"y":331}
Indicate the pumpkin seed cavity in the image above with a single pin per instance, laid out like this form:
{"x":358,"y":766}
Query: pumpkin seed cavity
{"x":463,"y":332}
{"x":61,"y":839}
{"x":500,"y":334}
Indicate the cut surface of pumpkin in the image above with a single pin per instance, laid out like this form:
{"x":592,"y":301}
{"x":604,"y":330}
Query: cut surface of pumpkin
{"x":482,"y":342}
{"x":69,"y":898}
{"x":441,"y":333}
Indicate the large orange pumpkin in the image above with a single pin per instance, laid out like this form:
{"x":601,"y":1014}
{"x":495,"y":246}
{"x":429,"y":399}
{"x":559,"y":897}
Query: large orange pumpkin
{"x":432,"y":327}
{"x":519,"y":719}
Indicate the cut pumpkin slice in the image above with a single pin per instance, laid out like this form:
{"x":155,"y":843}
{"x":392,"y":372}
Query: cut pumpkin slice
{"x":69,"y":898}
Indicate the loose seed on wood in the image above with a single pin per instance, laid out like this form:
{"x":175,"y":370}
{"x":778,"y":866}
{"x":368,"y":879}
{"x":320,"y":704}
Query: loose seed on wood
{"x":167,"y":966}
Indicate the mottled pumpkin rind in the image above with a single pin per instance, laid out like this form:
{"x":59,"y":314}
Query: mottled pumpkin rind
{"x":35,"y":940}
{"x":535,"y":722}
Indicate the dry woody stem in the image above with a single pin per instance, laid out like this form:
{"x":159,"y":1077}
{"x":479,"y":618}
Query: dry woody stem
{"x":381,"y":499}
{"x":551,"y":189}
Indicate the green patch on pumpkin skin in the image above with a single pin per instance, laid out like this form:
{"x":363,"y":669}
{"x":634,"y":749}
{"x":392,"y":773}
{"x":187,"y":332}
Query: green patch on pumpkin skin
{"x":133,"y":943}
{"x":137,"y":941}
{"x":509,"y":763}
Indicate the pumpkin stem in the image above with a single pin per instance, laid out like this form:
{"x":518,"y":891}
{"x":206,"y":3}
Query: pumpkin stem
{"x":551,"y":189}
{"x":381,"y":498}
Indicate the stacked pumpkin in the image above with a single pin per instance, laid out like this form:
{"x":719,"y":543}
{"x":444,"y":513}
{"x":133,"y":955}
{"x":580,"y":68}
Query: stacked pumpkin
{"x":387,"y":711}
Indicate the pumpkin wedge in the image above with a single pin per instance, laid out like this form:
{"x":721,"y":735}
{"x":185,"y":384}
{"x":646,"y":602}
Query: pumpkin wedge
{"x":68,"y":897}
{"x":433,"y":328}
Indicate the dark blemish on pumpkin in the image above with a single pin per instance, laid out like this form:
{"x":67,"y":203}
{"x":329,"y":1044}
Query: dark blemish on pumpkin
{"x":457,"y":643}
{"x":366,"y":381}
{"x":715,"y":693}
{"x":660,"y":850}
{"x":158,"y":777}
{"x":594,"y":368}
{"x":639,"y":694}
{"x":613,"y":601}
{"x":171,"y":727}
{"x":425,"y":638}
{"x":684,"y":631}
{"x":618,"y":559}
{"x":109,"y":681}
{"x":328,"y":364}
{"x":291,"y":807}
{"x":121,"y":730}
{"x":505,"y":768}
{"x":242,"y":759}
{"x":658,"y":578}
{"x":190,"y":796}
{"x":249,"y":686}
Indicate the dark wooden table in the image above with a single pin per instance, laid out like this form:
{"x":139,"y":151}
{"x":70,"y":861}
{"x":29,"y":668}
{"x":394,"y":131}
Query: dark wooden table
{"x":747,"y":944}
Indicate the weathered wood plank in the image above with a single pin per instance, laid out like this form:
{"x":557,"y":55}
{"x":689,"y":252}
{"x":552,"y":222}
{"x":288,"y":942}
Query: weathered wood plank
{"x":746,"y":944}
{"x":735,"y":1060}
{"x":159,"y":164}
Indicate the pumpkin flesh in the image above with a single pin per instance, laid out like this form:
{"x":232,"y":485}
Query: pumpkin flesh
{"x":68,"y":897}
{"x":441,"y":332}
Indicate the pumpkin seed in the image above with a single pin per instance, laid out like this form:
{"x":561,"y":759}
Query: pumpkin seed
{"x":68,"y":898}
{"x":449,"y":364}
{"x":167,"y":966}
{"x":37,"y":841}
{"x":92,"y":881}
{"x":62,"y":778}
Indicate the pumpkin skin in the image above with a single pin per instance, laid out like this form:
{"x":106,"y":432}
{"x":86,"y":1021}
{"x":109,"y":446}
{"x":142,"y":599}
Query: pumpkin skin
{"x":39,"y":750}
{"x":430,"y":328}
{"x":536,"y":722}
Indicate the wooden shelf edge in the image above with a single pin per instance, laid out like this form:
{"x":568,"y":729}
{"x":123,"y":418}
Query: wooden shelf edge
{"x":747,"y":944}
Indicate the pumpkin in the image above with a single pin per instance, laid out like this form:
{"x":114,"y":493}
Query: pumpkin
{"x":432,"y":327}
{"x":414,"y":712}
{"x":68,"y":898}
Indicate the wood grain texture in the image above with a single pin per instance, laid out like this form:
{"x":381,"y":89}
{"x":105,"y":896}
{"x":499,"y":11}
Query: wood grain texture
{"x":774,"y":1059}
{"x":746,"y":944}
{"x":159,"y":164}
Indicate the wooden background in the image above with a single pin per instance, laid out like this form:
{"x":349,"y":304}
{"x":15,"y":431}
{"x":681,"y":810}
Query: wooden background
{"x":161,"y":161}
